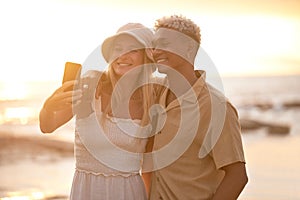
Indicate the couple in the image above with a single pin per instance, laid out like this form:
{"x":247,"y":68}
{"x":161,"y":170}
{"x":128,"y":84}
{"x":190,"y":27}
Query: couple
{"x":142,"y":137}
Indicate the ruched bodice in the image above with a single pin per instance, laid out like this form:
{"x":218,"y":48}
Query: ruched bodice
{"x":108,"y":156}
{"x":109,"y":142}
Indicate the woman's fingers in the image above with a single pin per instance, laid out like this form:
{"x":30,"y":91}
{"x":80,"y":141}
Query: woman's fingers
{"x":67,"y":85}
{"x":62,"y":99}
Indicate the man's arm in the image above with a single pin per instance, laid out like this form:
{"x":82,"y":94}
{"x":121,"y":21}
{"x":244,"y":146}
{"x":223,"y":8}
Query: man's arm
{"x":233,"y":182}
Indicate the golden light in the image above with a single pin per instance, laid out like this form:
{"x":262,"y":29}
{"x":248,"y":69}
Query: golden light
{"x":13,"y":90}
{"x":29,"y":196}
{"x":38,"y":195}
{"x":241,"y":45}
{"x":16,"y":198}
{"x":20,"y":114}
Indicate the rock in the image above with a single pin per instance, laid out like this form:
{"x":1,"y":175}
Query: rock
{"x":264,"y":106}
{"x":272,"y":128}
{"x":259,"y":105}
{"x":278,"y":129}
{"x":248,"y":124}
{"x":294,"y":104}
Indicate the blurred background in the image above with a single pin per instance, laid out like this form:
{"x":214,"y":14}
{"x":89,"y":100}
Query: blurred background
{"x":254,"y":46}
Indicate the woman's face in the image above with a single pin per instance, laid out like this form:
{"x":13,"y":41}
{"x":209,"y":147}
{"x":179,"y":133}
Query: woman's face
{"x":127,"y":53}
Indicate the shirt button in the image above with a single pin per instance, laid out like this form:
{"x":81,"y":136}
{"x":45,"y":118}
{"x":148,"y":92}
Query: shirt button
{"x":157,"y":178}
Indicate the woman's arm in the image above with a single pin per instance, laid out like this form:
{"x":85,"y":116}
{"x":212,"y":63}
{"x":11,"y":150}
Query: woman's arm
{"x":147,"y":181}
{"x":58,"y":108}
{"x":147,"y":176}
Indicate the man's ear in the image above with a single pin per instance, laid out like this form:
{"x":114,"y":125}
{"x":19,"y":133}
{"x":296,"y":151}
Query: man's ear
{"x":192,"y":47}
{"x":191,"y":50}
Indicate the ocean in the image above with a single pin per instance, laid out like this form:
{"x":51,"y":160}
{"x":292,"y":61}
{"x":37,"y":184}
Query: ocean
{"x":272,"y":155}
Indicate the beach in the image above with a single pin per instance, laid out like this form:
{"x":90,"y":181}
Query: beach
{"x":41,"y":167}
{"x":34,"y":165}
{"x":272,"y":166}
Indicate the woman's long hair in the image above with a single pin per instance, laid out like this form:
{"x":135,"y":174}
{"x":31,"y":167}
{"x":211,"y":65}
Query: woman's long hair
{"x":145,"y":93}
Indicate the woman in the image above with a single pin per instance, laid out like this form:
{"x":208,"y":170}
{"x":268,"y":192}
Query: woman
{"x":111,"y":127}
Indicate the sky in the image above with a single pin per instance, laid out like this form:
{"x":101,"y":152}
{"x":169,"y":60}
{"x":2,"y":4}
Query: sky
{"x":242,"y":38}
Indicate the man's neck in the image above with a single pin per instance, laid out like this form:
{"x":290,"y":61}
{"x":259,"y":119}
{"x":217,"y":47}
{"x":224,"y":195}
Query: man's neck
{"x":182,"y":81}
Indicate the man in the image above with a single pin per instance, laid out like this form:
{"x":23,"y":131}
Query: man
{"x":198,"y":154}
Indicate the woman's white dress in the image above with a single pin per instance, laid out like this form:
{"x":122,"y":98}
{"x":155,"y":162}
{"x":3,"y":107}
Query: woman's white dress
{"x":108,"y":160}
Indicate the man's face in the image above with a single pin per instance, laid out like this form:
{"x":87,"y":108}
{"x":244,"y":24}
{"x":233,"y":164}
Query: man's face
{"x":171,"y":49}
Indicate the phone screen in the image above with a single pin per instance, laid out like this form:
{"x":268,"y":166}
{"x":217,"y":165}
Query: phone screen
{"x":72,"y":72}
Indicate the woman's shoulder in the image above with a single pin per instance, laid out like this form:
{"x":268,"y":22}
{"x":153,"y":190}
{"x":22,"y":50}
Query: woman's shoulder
{"x":92,"y":78}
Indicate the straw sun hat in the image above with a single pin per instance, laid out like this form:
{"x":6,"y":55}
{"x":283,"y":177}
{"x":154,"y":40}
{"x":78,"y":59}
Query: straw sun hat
{"x":141,"y":33}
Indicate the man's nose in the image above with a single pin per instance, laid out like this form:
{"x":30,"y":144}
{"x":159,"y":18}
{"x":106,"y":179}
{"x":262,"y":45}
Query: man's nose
{"x":156,"y":51}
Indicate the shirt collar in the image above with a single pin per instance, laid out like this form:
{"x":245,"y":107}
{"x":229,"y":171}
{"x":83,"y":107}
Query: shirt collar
{"x":192,"y":94}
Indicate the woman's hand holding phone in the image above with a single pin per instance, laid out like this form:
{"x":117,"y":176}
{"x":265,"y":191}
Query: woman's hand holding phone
{"x":63,"y":98}
{"x":61,"y":106}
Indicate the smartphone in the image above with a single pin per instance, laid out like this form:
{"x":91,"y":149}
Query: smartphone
{"x":72,"y":72}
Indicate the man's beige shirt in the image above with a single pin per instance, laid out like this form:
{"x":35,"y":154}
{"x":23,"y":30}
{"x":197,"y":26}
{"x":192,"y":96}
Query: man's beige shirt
{"x":197,"y":173}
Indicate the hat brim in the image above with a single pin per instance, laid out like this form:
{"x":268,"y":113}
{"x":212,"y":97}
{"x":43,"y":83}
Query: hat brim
{"x":108,"y":43}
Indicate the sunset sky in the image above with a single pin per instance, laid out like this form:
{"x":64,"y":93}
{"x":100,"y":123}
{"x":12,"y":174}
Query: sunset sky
{"x":243,"y":38}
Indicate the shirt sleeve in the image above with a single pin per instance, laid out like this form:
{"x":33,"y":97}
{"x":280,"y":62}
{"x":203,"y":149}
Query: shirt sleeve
{"x":229,"y":148}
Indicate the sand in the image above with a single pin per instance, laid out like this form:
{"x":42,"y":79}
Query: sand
{"x":35,"y":167}
{"x":42,"y":167}
{"x":14,"y":148}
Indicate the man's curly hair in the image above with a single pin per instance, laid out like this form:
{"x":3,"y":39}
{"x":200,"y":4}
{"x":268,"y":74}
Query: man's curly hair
{"x":181,"y":24}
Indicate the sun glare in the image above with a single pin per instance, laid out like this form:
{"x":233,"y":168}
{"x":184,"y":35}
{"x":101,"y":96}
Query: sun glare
{"x":31,"y":196}
{"x":236,"y":42}
{"x":240,"y":45}
{"x":20,"y":114}
{"x":13,"y":91}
